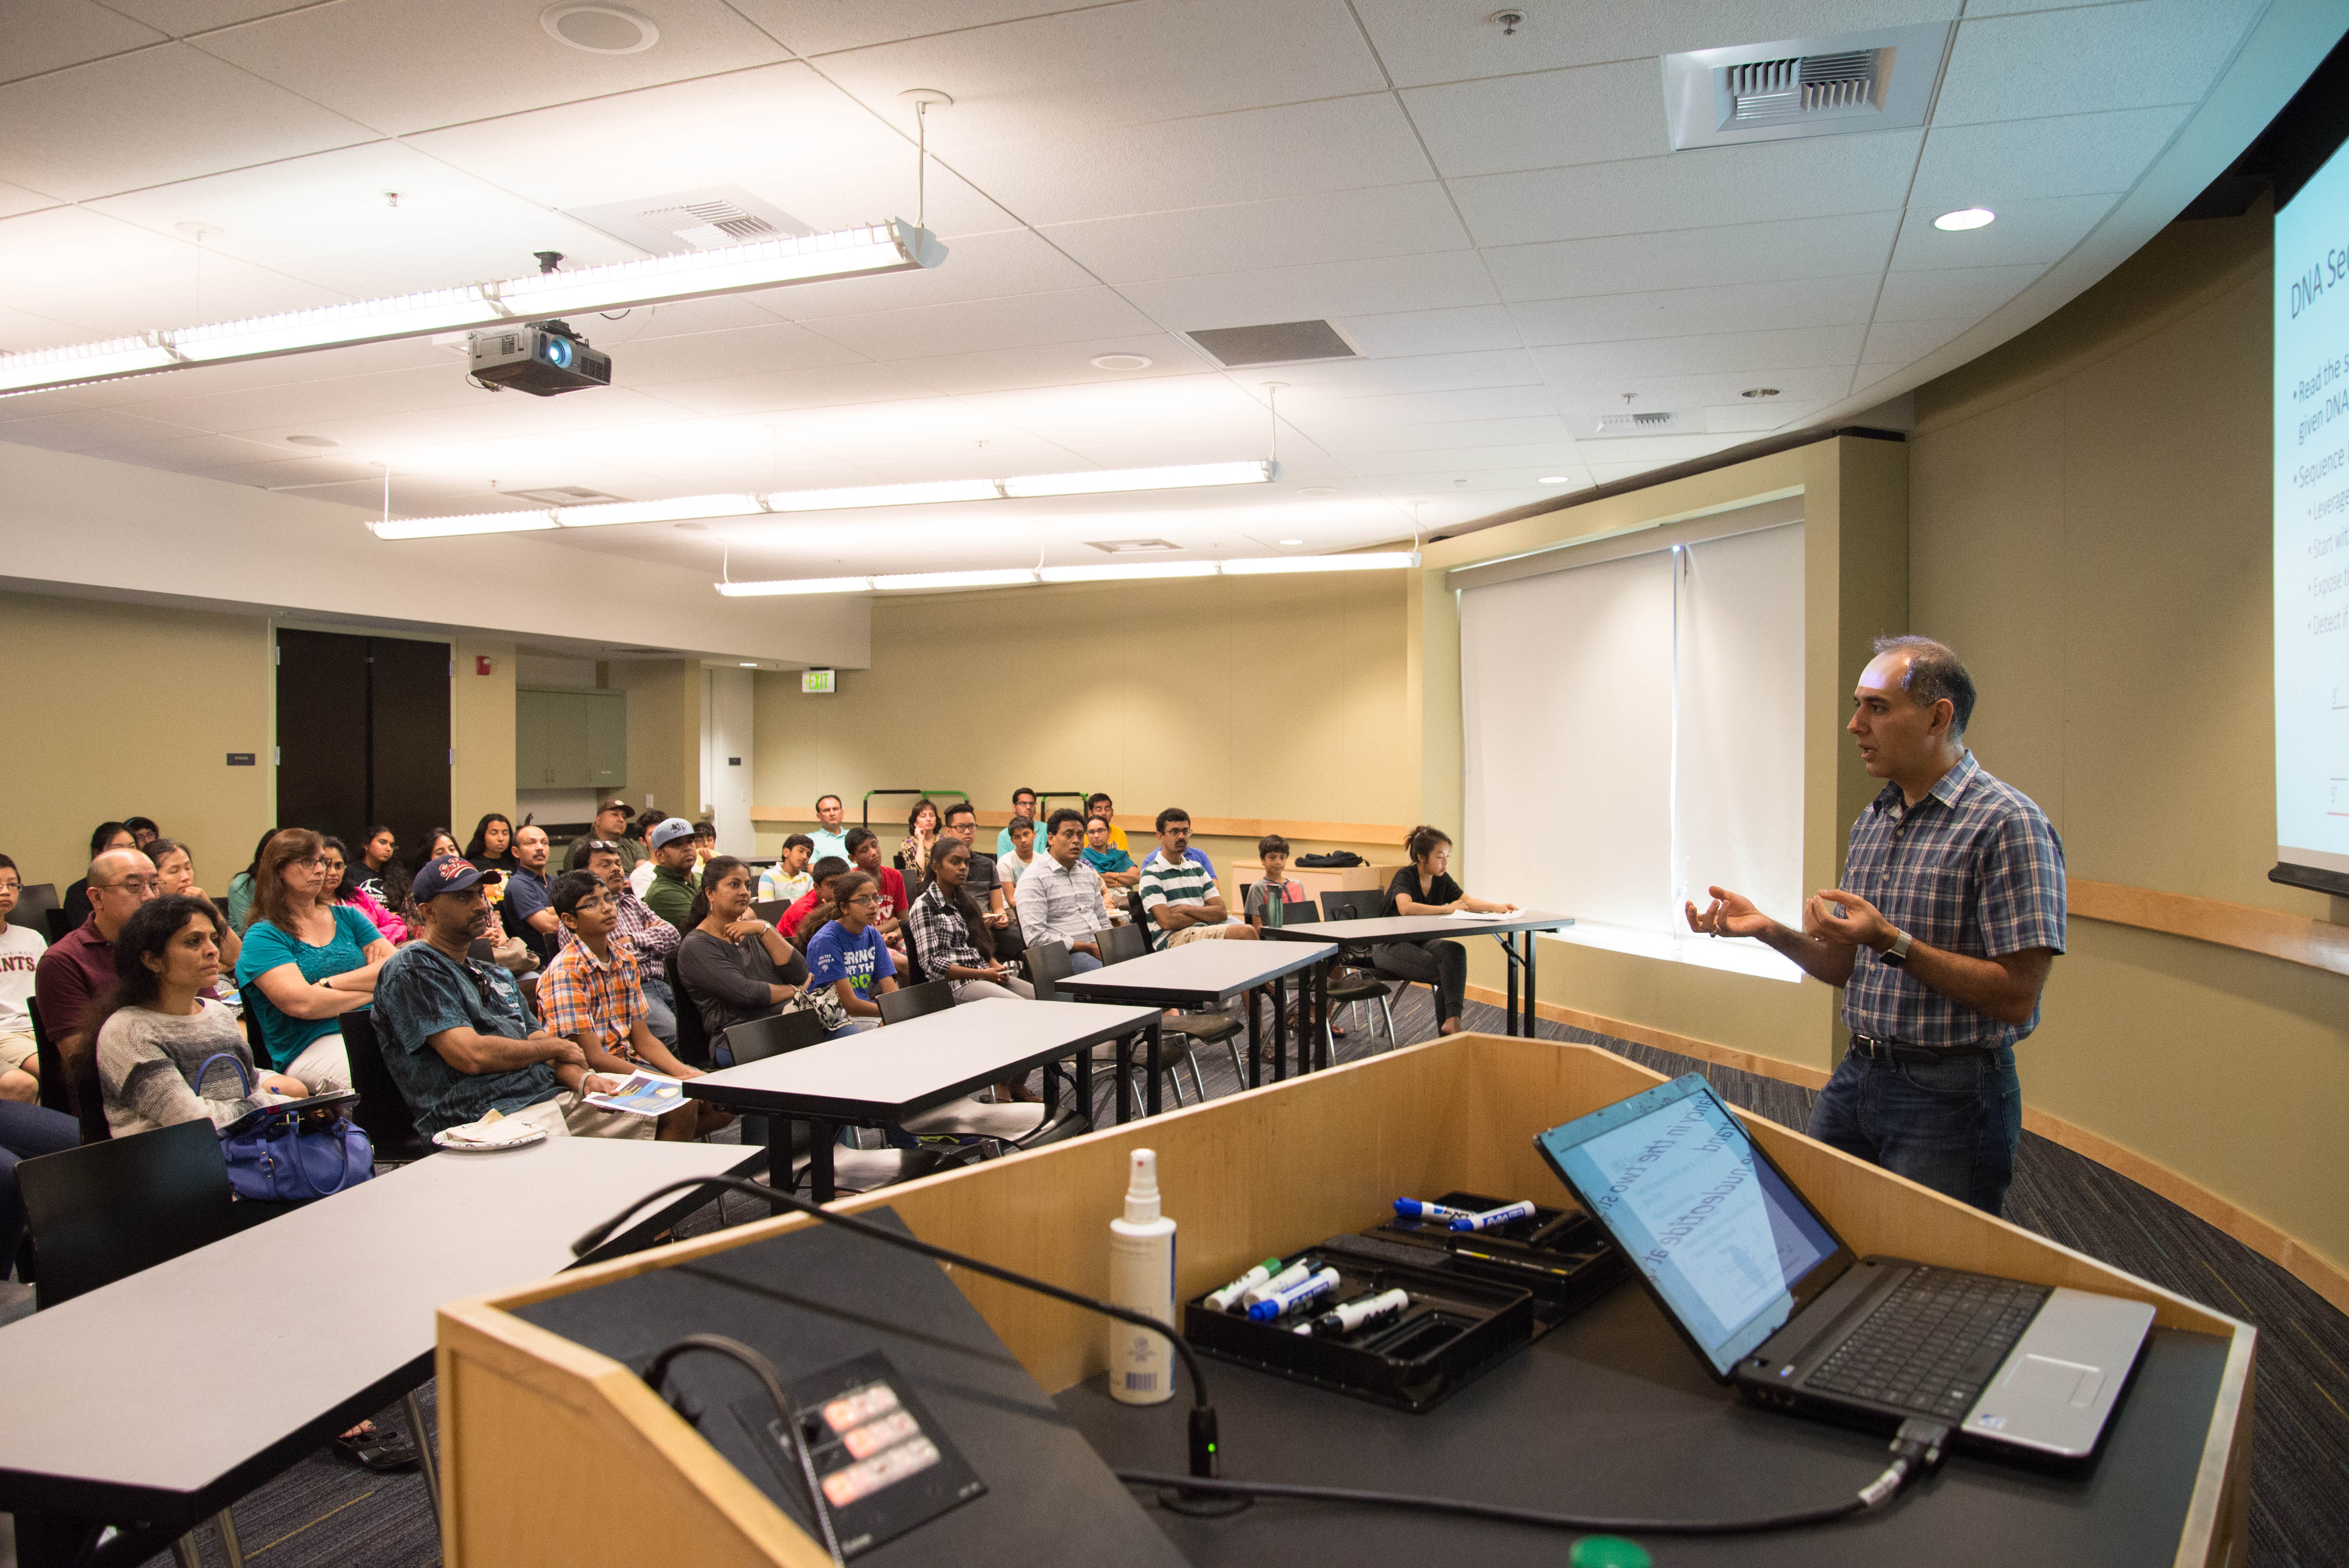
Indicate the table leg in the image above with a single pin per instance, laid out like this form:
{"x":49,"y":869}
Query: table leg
{"x":1150,"y":1099}
{"x":779,"y":1151}
{"x":1509,"y":948}
{"x":1124,"y":1070}
{"x":1051,"y":1090}
{"x":821,"y":1137}
{"x":1530,"y":1015}
{"x":1280,"y":1029}
{"x":52,"y":1539}
{"x":1255,"y":1039}
{"x":1322,"y":1012}
{"x":428,"y":1458}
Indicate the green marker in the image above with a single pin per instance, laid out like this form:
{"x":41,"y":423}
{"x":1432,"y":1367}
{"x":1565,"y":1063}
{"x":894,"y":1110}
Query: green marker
{"x":1221,"y":1300}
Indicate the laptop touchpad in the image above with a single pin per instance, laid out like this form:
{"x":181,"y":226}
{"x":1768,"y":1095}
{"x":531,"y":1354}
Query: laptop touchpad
{"x":2042,"y":1380}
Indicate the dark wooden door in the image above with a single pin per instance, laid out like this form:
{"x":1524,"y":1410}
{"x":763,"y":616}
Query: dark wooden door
{"x":409,"y":740}
{"x":362,"y":735}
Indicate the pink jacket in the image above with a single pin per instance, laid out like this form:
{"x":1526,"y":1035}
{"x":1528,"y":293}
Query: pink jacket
{"x":393,"y":929}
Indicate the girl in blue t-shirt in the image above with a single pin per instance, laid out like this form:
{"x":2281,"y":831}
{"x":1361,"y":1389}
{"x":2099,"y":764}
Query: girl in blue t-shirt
{"x":306,"y":961}
{"x":848,"y":955}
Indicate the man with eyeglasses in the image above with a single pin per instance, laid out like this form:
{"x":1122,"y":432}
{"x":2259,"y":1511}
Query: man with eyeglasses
{"x":80,"y":967}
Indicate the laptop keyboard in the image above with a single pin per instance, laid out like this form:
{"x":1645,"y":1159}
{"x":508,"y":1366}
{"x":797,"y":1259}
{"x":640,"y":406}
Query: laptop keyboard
{"x":1931,"y":1344}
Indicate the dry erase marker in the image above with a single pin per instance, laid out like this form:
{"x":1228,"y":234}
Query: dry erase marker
{"x":1412,"y":1209}
{"x":1296,"y":1295}
{"x":1491,"y":1218}
{"x":1221,"y":1300}
{"x":1354,"y":1315}
{"x":1295,"y":1273}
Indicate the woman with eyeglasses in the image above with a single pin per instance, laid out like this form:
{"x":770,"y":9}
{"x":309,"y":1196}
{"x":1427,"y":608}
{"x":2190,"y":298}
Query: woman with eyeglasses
{"x":342,"y":880}
{"x":847,"y":956}
{"x":308,"y":961}
{"x":736,"y":968}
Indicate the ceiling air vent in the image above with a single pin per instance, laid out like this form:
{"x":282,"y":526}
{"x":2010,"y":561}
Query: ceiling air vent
{"x":682,"y":220}
{"x":1655,"y":424}
{"x":561,"y":495}
{"x":1278,"y":343}
{"x":1129,"y":546}
{"x":1804,"y":87}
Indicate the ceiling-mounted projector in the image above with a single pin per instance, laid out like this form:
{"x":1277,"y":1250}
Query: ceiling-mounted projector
{"x":542,"y":358}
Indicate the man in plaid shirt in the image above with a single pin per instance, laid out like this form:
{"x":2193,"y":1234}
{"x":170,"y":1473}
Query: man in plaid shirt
{"x":1951,"y":913}
{"x":649,"y":937}
{"x":590,"y":993}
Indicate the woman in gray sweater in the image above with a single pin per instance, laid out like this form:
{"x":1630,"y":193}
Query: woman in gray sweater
{"x":157,"y":1029}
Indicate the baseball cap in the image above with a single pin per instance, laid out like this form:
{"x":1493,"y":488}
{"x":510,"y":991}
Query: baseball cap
{"x":668,"y":831}
{"x":615,"y":804}
{"x":450,"y":873}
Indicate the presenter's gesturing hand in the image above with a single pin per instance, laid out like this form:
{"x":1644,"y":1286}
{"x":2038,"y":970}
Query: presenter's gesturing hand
{"x":1860,"y":925}
{"x":1733,"y":914}
{"x":1729,"y":914}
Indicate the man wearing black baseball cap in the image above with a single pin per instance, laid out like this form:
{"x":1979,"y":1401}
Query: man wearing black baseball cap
{"x":610,"y":827}
{"x":458,"y":1038}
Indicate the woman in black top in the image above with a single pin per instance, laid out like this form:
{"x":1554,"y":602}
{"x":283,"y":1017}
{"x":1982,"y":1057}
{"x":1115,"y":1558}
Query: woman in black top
{"x":1425,"y":887}
{"x":735,"y":966}
{"x":491,"y":848}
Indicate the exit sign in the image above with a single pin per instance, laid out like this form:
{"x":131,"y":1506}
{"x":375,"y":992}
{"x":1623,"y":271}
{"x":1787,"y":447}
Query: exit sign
{"x":816,"y":683}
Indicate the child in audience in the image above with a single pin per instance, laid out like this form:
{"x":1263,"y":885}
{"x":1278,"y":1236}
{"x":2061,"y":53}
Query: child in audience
{"x":20,"y":953}
{"x":848,"y":954}
{"x":1274,"y":887}
{"x":788,"y":879}
{"x":1021,"y":853}
{"x":798,"y":921}
{"x":1115,"y":865}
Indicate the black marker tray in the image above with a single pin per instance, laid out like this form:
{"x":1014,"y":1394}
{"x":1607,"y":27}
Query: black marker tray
{"x":1454,"y":1328}
{"x":1562,"y":1255}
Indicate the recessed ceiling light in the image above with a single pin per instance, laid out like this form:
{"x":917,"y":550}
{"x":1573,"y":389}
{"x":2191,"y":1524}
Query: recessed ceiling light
{"x":1292,"y":541}
{"x":749,"y":664}
{"x":1759,"y":392}
{"x":313,"y":441}
{"x":599,"y":29}
{"x":1122,"y":362}
{"x":1553,"y":480}
{"x":1965,"y":218}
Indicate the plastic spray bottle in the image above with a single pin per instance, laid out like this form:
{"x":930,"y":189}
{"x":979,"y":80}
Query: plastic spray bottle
{"x":1142,"y":1278}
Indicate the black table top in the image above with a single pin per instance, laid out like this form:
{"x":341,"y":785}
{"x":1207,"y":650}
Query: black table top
{"x":1196,"y":971}
{"x":1611,"y":1414}
{"x":888,"y":1074}
{"x":1417,"y":927}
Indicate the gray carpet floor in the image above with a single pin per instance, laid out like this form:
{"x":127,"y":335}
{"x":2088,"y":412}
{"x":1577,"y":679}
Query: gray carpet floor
{"x":325,"y":1512}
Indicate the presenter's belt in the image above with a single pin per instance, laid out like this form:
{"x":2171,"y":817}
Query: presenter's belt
{"x":1875,"y":1048}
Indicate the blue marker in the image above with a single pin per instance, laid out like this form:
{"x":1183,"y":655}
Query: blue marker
{"x":1283,"y":1302}
{"x":1492,"y":1218}
{"x":1412,"y":1209}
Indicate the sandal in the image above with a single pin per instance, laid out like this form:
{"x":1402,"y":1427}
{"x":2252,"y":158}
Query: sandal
{"x":375,"y":1449}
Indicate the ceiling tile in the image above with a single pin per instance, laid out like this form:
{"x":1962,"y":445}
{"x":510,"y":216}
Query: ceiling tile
{"x":1207,"y":161}
{"x":1713,"y":24}
{"x":185,"y":19}
{"x":1695,"y":258}
{"x":1797,"y":348}
{"x":1346,"y":225}
{"x":15,"y":198}
{"x":1424,"y":41}
{"x":1462,"y":436}
{"x":1585,"y":398}
{"x":1423,"y":373}
{"x":2089,"y":57}
{"x":813,"y":387}
{"x":828,"y":26}
{"x":1959,"y":291}
{"x":775,"y":348}
{"x":184,"y":298}
{"x":88,"y":428}
{"x":1413,"y":332}
{"x":1075,"y":315}
{"x":1810,"y":177}
{"x":1525,"y":460}
{"x":149,"y":118}
{"x":1438,"y":280}
{"x":1544,"y":121}
{"x":2070,"y":155}
{"x":58,"y":33}
{"x":1671,"y":312}
{"x":1902,"y":341}
{"x":1755,"y":416}
{"x":1051,"y":365}
{"x":361,"y":58}
{"x":980,"y":266}
{"x":191,"y":454}
{"x":2040,"y":231}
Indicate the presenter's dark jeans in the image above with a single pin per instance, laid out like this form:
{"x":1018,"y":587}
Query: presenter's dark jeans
{"x":1437,"y":961}
{"x":26,"y":1131}
{"x":1952,"y":1125}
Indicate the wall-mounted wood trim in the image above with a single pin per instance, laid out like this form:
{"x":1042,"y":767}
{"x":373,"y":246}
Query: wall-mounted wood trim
{"x":2320,"y":1273}
{"x":1201,"y":827}
{"x":2294,"y":938}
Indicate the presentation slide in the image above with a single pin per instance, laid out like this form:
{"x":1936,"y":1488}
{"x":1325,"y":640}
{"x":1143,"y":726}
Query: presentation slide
{"x":2311,"y":523}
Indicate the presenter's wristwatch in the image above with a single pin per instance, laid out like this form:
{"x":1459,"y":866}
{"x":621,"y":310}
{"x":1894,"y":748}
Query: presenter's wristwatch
{"x":1896,"y":955}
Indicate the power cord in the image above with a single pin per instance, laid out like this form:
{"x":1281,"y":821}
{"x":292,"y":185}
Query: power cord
{"x":794,"y":1437}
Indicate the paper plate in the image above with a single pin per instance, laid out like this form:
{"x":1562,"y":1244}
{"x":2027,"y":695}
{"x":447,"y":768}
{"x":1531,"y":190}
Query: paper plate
{"x":535,"y":1134}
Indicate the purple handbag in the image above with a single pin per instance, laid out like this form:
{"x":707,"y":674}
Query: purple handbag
{"x":287,"y":1154}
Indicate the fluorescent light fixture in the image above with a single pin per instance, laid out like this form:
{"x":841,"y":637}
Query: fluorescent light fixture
{"x":747,"y":664}
{"x":796,"y":585}
{"x":1002,"y":579}
{"x":90,"y":361}
{"x":1128,"y":573}
{"x":1368,"y":561}
{"x":1104,"y":482}
{"x":477,"y":522}
{"x":894,"y":247}
{"x":883,"y":495}
{"x":1966,"y":218}
{"x":1553,"y":480}
{"x":684,"y":506}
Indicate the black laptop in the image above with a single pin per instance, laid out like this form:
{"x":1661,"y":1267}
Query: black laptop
{"x":1771,"y":1300}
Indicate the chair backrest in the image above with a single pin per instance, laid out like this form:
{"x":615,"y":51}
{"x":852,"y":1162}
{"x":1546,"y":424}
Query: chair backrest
{"x":34,"y":901}
{"x":692,"y":1034}
{"x":754,"y":1039}
{"x":55,"y":919}
{"x":772,"y":911}
{"x":106,"y":1210}
{"x":1120,"y":942}
{"x":914,"y":1000}
{"x":383,"y":1112}
{"x":55,"y":1093}
{"x":1048,"y":964}
{"x":1355,"y":904}
{"x":1135,"y":912}
{"x":1300,"y":912}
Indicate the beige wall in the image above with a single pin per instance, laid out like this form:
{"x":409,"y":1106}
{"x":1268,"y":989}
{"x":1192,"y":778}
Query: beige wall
{"x":113,"y":711}
{"x":2091,"y":530}
{"x":481,"y":732}
{"x":664,"y":734}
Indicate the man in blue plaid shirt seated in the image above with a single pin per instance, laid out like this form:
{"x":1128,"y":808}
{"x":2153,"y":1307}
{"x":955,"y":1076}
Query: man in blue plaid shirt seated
{"x":1951,"y":913}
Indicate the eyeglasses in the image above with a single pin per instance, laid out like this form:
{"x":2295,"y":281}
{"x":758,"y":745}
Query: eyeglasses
{"x":862,"y":898}
{"x":135,"y":885}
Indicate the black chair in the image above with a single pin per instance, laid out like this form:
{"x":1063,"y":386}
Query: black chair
{"x":1347,"y":986}
{"x":772,"y":911}
{"x":755,"y":1039}
{"x":71,"y":1086}
{"x":1121,"y":943}
{"x":34,"y":901}
{"x":1361,"y":904}
{"x":382,"y":1112}
{"x":915,"y":1001}
{"x":55,"y":919}
{"x":693,"y":1043}
{"x":57,"y":1093}
{"x":1049,"y":963}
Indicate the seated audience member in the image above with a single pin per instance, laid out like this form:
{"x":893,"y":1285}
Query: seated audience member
{"x":509,"y":953}
{"x":913,"y":857}
{"x":157,"y":1029}
{"x":1112,"y":864}
{"x":1059,"y":896}
{"x":440,"y":841}
{"x":1023,"y":804}
{"x":649,"y":937}
{"x":374,"y":873}
{"x":308,"y":961}
{"x":110,"y":836}
{"x":457,"y":1037}
{"x":787,"y":881}
{"x":1101,"y":806}
{"x":610,"y":827}
{"x":20,"y":955}
{"x":342,"y":880}
{"x":143,"y":834}
{"x":864,"y":855}
{"x":847,"y":955}
{"x":984,"y":881}
{"x":1179,"y":896}
{"x":640,"y":876}
{"x":491,"y":846}
{"x":1273,"y":888}
{"x":175,"y":877}
{"x":527,"y":905}
{"x":1021,"y":855}
{"x":798,"y":921}
{"x":830,"y":839}
{"x":1196,"y":856}
{"x":952,"y":942}
{"x":592,"y":992}
{"x":670,"y":893}
{"x":705,"y":846}
{"x":78,"y":969}
{"x":1425,"y":887}
{"x":240,"y":886}
{"x":736,"y":966}
{"x":26,"y":1132}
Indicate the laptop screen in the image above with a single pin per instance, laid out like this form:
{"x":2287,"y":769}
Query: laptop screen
{"x":1719,"y":1233}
